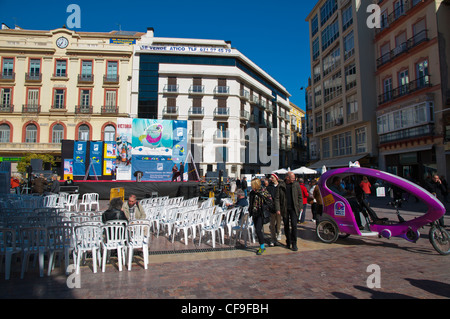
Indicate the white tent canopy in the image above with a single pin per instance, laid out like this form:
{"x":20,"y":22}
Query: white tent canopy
{"x":304,"y":170}
{"x":281,"y":171}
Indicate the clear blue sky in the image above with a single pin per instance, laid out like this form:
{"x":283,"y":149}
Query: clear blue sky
{"x":273,"y":34}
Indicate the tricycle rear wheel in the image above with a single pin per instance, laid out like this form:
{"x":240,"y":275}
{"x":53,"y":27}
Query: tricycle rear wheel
{"x":327,"y":231}
{"x":440,"y":240}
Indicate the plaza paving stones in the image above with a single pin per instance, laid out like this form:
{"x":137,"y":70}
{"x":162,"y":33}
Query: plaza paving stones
{"x":316,"y":271}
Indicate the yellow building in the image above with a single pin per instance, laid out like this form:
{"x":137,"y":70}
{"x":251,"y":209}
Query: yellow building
{"x":61,"y":84}
{"x":298,"y":136}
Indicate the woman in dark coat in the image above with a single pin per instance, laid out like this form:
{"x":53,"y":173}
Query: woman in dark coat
{"x":257,"y":197}
{"x":114,"y":211}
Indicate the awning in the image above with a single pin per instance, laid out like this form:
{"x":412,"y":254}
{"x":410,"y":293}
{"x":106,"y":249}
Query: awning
{"x":337,"y":162}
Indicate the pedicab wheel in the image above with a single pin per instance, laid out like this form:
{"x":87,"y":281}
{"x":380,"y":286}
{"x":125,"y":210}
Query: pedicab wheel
{"x":327,"y":231}
{"x":440,"y":239}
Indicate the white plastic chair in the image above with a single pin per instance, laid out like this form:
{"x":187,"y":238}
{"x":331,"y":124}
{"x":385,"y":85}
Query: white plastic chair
{"x":168,"y":219}
{"x":60,"y":241}
{"x":85,"y":201}
{"x":79,"y":219}
{"x":214,"y":227}
{"x":114,"y":238}
{"x":94,"y":201}
{"x":187,"y":219}
{"x":72,"y":201}
{"x":232,"y":219}
{"x":8,"y":247}
{"x":34,"y":242}
{"x":138,"y":236}
{"x":208,"y":203}
{"x":245,"y":226}
{"x":87,"y":239}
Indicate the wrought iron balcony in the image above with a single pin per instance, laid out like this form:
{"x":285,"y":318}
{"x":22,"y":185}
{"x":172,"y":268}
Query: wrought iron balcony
{"x":83,"y":109}
{"x":417,"y":39}
{"x":405,"y":89}
{"x":31,"y":108}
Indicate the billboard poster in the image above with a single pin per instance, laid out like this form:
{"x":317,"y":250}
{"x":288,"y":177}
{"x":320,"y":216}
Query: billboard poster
{"x":109,"y":157}
{"x":110,"y":150}
{"x":124,"y":148}
{"x":79,"y":158}
{"x":95,"y":156}
{"x":68,"y":168}
{"x":157,"y":146}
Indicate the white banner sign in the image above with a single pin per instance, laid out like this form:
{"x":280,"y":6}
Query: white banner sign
{"x":169,"y":48}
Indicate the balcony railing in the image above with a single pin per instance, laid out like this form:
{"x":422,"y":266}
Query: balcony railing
{"x":245,"y":115}
{"x":414,"y":132}
{"x":245,"y":94}
{"x":417,"y":39}
{"x":83,"y":109}
{"x":6,"y":108}
{"x":197,"y":89}
{"x":398,"y":12}
{"x":196,"y":111}
{"x":222,"y":90}
{"x":222,"y":112}
{"x":110,"y":79}
{"x":31,"y":108}
{"x":171,"y":88}
{"x":170,"y":111}
{"x":85,"y":78}
{"x":405,"y":89}
{"x":33,"y":77}
{"x":110,"y":109}
{"x":8,"y":76}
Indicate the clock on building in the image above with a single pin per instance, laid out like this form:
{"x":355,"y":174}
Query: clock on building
{"x":62,"y":43}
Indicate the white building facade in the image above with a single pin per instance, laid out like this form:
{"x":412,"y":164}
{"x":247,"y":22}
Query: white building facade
{"x":223,"y":95}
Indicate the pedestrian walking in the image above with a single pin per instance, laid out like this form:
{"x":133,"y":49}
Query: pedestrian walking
{"x":305,"y":200}
{"x":258,"y":196}
{"x":288,"y":203}
{"x":275,"y":219}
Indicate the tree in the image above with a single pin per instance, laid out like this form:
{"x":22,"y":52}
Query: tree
{"x":26,"y":161}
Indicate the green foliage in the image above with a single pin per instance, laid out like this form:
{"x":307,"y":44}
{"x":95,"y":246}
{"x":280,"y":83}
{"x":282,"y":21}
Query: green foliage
{"x":25,"y":161}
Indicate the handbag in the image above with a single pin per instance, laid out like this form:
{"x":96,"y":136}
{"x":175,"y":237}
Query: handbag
{"x":268,"y":208}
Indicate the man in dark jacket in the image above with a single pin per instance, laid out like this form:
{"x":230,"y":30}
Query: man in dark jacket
{"x":288,"y":203}
{"x":39,"y":184}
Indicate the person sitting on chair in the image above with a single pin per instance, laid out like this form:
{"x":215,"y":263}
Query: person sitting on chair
{"x":114,"y":211}
{"x":133,"y":209}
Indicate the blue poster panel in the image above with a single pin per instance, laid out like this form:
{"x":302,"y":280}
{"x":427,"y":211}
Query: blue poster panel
{"x":96,"y":156}
{"x":158,"y":145}
{"x":79,"y":158}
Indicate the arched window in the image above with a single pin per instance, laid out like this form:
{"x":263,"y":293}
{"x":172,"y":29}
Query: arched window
{"x":5,"y":133}
{"x":57,"y":133}
{"x":83,"y":133}
{"x":110,"y":133}
{"x":31,"y":133}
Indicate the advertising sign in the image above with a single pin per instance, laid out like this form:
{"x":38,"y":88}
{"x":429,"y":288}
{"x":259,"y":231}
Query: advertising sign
{"x":79,"y":158}
{"x":157,"y":146}
{"x":95,"y":156}
{"x":124,"y":148}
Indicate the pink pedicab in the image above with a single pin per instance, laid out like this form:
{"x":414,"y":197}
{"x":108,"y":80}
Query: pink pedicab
{"x":345,"y":215}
